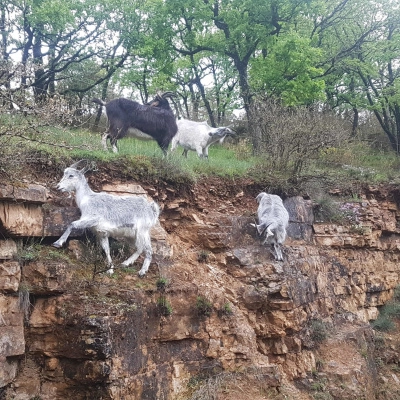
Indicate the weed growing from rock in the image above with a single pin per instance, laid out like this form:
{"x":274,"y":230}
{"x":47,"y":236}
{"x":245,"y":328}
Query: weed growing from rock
{"x":203,"y":256}
{"x":204,"y":306}
{"x":226,"y":310}
{"x":383,"y":324}
{"x":161,"y":284}
{"x":396,"y":293}
{"x":24,"y":299}
{"x":29,"y":251}
{"x":389,"y":312}
{"x":318,"y":330}
{"x":164,"y":306}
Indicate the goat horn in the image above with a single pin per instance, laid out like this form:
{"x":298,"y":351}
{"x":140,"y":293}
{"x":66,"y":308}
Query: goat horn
{"x":76,"y":165}
{"x":88,"y":166}
{"x":168,"y":94}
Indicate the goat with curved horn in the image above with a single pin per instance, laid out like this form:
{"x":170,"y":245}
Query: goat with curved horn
{"x":154,"y":120}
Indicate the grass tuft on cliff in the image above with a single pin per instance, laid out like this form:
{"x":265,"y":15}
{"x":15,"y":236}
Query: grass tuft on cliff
{"x":388,"y":313}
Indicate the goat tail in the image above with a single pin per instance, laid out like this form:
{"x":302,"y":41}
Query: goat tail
{"x":156,"y":210}
{"x":98,"y":101}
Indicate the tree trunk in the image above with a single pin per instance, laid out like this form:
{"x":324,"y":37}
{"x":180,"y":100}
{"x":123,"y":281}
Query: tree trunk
{"x":39,"y":84}
{"x":100,"y":109}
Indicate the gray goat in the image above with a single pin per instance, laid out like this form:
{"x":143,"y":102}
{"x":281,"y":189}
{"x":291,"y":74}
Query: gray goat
{"x":109,"y":215}
{"x":273,"y":220}
{"x":198,"y":136}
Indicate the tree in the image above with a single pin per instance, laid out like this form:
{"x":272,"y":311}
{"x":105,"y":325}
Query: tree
{"x":361,"y":65}
{"x":289,"y":71}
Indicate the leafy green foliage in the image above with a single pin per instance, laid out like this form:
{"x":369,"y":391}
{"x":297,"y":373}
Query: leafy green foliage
{"x":289,"y":71}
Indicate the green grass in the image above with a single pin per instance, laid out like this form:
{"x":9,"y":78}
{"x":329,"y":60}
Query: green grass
{"x":354,"y":162}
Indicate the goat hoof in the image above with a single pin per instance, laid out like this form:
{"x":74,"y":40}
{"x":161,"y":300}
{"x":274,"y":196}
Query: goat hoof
{"x":57,"y":245}
{"x":110,"y":271}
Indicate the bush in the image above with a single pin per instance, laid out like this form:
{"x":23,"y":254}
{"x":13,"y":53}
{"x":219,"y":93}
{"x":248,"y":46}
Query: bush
{"x":203,"y":306}
{"x":391,"y":309}
{"x":294,"y":136}
{"x":396,"y":293}
{"x":327,"y":210}
{"x":161,"y":284}
{"x":203,"y":256}
{"x":383,"y":324}
{"x":164,"y":306}
{"x":318,"y":330}
{"x":226,"y":310}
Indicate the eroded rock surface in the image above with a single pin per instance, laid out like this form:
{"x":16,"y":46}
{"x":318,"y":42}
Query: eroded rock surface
{"x":67,"y":330}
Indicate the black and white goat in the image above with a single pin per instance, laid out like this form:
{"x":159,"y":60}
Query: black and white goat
{"x":154,"y":120}
{"x":198,"y":136}
{"x":108,"y":215}
{"x":273,"y":219}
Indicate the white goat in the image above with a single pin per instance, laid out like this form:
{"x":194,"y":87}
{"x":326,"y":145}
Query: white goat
{"x":273,"y":220}
{"x":109,"y":215}
{"x":198,"y":136}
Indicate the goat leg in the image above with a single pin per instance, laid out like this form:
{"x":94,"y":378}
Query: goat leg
{"x":59,"y":243}
{"x":105,"y":244}
{"x":278,"y":251}
{"x":143,"y":244}
{"x":78,"y":224}
{"x":104,"y":138}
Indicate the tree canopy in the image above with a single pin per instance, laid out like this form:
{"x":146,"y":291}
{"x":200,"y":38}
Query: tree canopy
{"x":216,"y":55}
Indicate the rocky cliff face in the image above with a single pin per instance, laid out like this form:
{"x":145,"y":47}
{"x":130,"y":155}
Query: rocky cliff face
{"x":69,"y":332}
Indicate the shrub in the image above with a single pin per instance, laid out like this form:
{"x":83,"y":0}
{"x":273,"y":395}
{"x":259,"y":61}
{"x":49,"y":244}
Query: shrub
{"x":383,"y":323}
{"x":294,"y":136}
{"x":161,"y":284}
{"x":203,"y":306}
{"x":164,"y":306}
{"x":391,"y":309}
{"x":396,"y":293}
{"x":29,"y":251}
{"x":388,"y":312}
{"x":226,"y":309}
{"x":203,"y":256}
{"x":327,"y":210}
{"x":318,"y":330}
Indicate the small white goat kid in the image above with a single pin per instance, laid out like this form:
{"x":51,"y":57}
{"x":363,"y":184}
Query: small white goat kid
{"x":109,"y":215}
{"x":273,"y":220}
{"x":198,"y":136}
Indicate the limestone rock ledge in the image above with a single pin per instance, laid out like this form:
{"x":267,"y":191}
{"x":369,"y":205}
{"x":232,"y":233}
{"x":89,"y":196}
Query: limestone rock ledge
{"x":68,"y":332}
